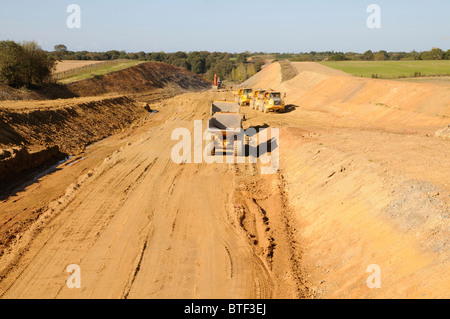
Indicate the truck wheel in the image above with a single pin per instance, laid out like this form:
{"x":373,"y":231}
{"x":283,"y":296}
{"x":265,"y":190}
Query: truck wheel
{"x":238,"y":148}
{"x":246,"y":145}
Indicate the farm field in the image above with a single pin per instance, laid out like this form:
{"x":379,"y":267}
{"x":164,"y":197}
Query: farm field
{"x":392,"y":69}
{"x":96,"y":70}
{"x":66,"y":65}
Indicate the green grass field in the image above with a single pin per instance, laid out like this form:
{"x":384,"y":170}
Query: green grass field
{"x":392,"y":69}
{"x":99,"y":70}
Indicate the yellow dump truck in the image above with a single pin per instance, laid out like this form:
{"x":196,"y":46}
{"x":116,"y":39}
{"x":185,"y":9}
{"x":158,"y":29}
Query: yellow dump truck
{"x":256,"y":98}
{"x":225,"y":127}
{"x":243,"y":96}
{"x":272,"y":101}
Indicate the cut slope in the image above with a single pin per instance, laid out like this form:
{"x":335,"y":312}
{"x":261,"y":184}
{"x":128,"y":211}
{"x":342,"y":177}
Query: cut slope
{"x":364,"y":198}
{"x":144,"y":77}
{"x":269,"y":77}
{"x":31,"y":137}
{"x":354,"y":101}
{"x":388,"y":104}
{"x":141,"y":78}
{"x":9,"y":93}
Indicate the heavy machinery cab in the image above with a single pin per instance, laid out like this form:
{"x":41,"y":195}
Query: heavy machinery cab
{"x":273,"y":101}
{"x":244,"y":96}
{"x":244,"y":92}
{"x":258,"y":93}
{"x":247,"y":93}
{"x":272,"y":95}
{"x":275,"y":95}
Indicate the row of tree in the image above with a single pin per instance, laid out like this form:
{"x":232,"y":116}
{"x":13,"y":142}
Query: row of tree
{"x":227,"y":66}
{"x":24,"y":64}
{"x":382,"y":55}
{"x":235,"y":67}
{"x":27,"y":65}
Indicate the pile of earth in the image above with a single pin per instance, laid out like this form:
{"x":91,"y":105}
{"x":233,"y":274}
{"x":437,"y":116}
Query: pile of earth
{"x":137,"y":79}
{"x":33,"y":133}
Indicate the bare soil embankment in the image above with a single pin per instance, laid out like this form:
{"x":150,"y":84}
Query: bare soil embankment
{"x":137,"y":79}
{"x":367,"y":180}
{"x":413,"y":108}
{"x":30,"y":138}
{"x":141,"y":226}
{"x":350,"y":193}
{"x":36,"y":134}
{"x":31,"y":131}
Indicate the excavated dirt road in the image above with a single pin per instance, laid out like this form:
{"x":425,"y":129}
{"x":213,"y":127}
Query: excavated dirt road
{"x":352,"y":191}
{"x":141,"y":226}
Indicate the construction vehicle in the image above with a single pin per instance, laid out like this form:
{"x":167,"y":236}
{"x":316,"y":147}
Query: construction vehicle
{"x":225,"y":126}
{"x":217,"y":84}
{"x":257,"y":96}
{"x":243,"y":96}
{"x":272,"y":101}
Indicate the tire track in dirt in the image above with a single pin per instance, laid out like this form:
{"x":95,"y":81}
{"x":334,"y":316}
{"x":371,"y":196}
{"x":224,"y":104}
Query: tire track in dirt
{"x":136,"y":271}
{"x":92,"y":227}
{"x":142,"y":226}
{"x":263,"y":214}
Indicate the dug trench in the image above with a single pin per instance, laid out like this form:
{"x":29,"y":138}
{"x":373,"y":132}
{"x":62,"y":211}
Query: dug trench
{"x":42,"y":140}
{"x":346,"y":196}
{"x":192,"y":230}
{"x":34,"y":139}
{"x":39,"y":137}
{"x":34,"y":134}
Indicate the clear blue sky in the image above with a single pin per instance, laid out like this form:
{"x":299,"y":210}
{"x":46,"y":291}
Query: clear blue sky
{"x":229,"y":25}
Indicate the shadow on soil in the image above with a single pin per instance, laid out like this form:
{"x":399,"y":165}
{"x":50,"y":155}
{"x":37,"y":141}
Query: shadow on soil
{"x":263,"y":147}
{"x":11,"y":186}
{"x":290,"y":108}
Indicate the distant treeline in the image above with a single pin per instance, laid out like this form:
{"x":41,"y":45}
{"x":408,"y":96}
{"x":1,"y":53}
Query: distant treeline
{"x":433,"y":54}
{"x":26,"y":64}
{"x":227,"y":66}
{"x":237,"y":66}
